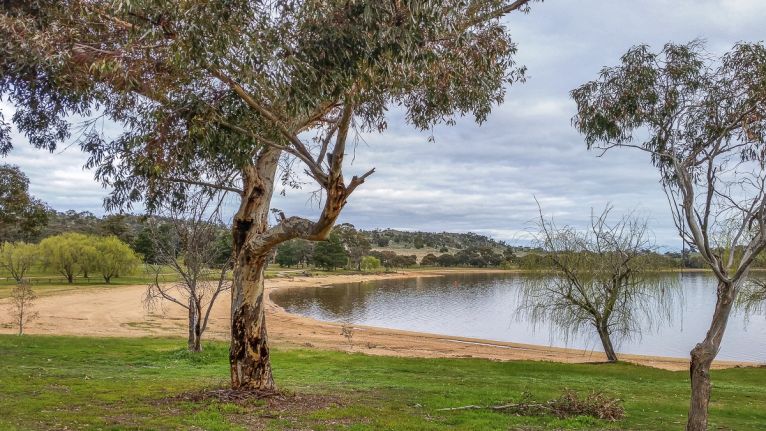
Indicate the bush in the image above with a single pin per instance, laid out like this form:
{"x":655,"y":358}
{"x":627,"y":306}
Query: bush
{"x":370,"y":263}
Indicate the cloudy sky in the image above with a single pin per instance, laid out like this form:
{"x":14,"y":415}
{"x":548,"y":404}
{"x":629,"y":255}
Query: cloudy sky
{"x":484,"y":178}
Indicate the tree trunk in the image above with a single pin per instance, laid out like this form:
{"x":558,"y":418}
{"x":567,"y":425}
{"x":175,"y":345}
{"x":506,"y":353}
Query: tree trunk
{"x":702,"y":357}
{"x":606,"y":342}
{"x":249,"y":351}
{"x":195,"y":335}
{"x":249,"y":354}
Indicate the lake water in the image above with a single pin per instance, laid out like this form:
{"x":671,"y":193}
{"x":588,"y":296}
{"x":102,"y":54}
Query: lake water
{"x":484,"y":306}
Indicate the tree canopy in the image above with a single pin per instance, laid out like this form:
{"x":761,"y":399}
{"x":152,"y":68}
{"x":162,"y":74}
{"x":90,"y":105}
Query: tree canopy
{"x":22,"y":216}
{"x":202,"y":85}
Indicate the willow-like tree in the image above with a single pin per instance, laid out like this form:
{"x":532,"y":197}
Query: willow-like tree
{"x":17,"y":258}
{"x":216,"y":93}
{"x":702,"y":121}
{"x":600,"y":279}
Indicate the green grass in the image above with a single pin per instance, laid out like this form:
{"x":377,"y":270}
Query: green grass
{"x":96,"y":383}
{"x":45,"y":282}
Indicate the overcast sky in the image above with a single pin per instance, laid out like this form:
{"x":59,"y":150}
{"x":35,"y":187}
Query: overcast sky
{"x":484,"y":178}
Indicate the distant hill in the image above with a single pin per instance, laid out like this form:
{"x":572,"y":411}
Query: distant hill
{"x":392,"y":238}
{"x":130,"y":227}
{"x":125,"y":226}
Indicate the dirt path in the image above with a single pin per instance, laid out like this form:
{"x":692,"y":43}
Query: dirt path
{"x":119,"y":312}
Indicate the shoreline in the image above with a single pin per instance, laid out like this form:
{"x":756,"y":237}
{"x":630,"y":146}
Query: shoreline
{"x":119,"y":312}
{"x":395,"y":342}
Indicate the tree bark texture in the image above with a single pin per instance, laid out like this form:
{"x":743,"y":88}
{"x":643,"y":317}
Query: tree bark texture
{"x":702,"y":357}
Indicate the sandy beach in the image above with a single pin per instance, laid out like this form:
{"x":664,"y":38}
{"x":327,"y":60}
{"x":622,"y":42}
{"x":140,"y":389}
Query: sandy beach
{"x":119,"y":312}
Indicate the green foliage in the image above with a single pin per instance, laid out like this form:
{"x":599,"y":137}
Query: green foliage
{"x":355,"y":242}
{"x":330,"y":254}
{"x":118,"y":225}
{"x":479,"y":257}
{"x":441,"y":240}
{"x":22,"y":217}
{"x":18,"y":258}
{"x":115,"y":258}
{"x":370,"y":264}
{"x":447,"y":260}
{"x":63,"y":254}
{"x":295,"y":252}
{"x":418,"y":242}
{"x":390,"y":259}
{"x":534,"y":262}
{"x":71,"y":254}
{"x":429,"y":260}
{"x":163,"y":77}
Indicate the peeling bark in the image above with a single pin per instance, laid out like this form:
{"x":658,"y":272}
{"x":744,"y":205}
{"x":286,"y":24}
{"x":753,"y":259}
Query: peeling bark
{"x":254,"y":241}
{"x":249,"y":351}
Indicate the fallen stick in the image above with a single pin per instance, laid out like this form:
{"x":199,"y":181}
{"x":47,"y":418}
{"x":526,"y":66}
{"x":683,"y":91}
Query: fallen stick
{"x":461,"y":408}
{"x":500,"y":407}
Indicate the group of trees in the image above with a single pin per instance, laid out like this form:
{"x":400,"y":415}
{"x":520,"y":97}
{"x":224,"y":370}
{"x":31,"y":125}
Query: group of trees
{"x":541,"y":260}
{"x":344,"y":247}
{"x":70,"y":255}
{"x":206,"y":104}
{"x":347,"y":248}
{"x":390,"y":259}
{"x":701,"y":121}
{"x":442,"y":241}
{"x":475,"y":256}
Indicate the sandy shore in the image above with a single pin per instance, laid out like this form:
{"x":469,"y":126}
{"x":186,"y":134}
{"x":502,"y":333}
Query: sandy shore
{"x":119,"y":312}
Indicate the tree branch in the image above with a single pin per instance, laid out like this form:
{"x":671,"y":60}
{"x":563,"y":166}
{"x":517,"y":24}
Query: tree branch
{"x":204,"y":184}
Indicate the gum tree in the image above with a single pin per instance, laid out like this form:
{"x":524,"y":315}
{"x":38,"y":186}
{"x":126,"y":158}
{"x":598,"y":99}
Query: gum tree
{"x":216,"y":94}
{"x":22,"y":216}
{"x":702,"y":121}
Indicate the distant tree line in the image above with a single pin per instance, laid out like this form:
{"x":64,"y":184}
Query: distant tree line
{"x":27,"y":219}
{"x":442,"y":241}
{"x":350,"y":248}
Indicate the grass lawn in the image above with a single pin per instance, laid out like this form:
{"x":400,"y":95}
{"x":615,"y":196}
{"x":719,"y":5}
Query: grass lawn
{"x":98,"y":383}
{"x":48,"y":283}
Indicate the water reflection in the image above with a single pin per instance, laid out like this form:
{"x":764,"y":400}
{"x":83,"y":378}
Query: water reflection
{"x":484,"y":306}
